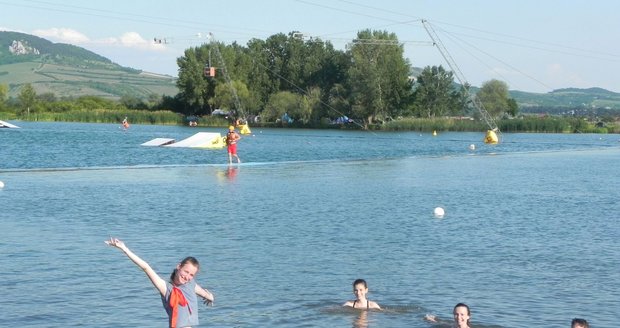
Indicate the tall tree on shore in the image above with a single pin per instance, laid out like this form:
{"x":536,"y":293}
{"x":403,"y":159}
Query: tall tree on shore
{"x":194,"y":88}
{"x":27,"y":98}
{"x":434,"y":93}
{"x":378,"y":76}
{"x":494,"y":97}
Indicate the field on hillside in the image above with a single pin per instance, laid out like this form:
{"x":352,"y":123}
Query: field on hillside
{"x":75,"y":81}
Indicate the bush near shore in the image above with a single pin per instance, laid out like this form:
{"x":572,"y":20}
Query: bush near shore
{"x":535,"y":124}
{"x":548,"y":124}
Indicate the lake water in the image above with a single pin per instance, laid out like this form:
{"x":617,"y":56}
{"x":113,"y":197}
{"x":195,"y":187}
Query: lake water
{"x":529,"y":239}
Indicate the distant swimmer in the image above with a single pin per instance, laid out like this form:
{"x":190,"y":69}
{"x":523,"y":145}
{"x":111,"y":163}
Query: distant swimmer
{"x":461,"y":315}
{"x":360,"y":289}
{"x":125,"y":123}
{"x":179,"y":294}
{"x":231,"y":141}
{"x":579,"y":323}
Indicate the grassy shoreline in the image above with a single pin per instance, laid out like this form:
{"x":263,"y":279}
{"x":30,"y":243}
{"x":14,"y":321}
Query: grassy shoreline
{"x":526,"y":124}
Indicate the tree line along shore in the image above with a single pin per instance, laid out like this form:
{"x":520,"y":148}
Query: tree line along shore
{"x":289,"y":81}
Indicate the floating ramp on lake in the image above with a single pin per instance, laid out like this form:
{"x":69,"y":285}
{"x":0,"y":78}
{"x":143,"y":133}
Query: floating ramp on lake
{"x":158,"y":142}
{"x":4,"y":124}
{"x":210,"y":140}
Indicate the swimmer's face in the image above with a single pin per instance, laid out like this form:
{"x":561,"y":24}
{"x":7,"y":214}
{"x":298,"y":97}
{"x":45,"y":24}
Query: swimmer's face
{"x":461,"y":316}
{"x":360,"y":291}
{"x":185,"y":273}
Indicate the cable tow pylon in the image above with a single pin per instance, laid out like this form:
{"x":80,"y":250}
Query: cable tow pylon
{"x":224,"y":70}
{"x":241,"y":120}
{"x":493,"y":132}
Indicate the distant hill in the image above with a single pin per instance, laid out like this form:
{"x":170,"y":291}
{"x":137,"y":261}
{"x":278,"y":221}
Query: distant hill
{"x":560,"y":100}
{"x":570,"y":97}
{"x":71,"y":71}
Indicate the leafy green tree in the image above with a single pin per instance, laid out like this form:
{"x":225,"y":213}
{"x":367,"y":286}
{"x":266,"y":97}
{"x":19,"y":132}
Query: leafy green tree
{"x":280,"y":103}
{"x":243,"y":68}
{"x":153,"y":100}
{"x":132,"y":102}
{"x":27,"y":98}
{"x":332,"y":79}
{"x":338,"y":100}
{"x":280,"y":63}
{"x":378,"y":76}
{"x":260,"y":85}
{"x":95,"y":102}
{"x":292,"y":63}
{"x":224,"y":96}
{"x":462,"y":101}
{"x":275,"y":52}
{"x":313,"y":111}
{"x":61,"y":106}
{"x":434,"y":94}
{"x":494,"y":97}
{"x":193,"y":86}
{"x":174,"y":104}
{"x":305,"y":61}
{"x":513,"y":107}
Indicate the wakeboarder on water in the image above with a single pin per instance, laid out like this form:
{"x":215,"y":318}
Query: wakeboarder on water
{"x":231,"y":141}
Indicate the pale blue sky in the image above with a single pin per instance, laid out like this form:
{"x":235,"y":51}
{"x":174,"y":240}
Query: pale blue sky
{"x":532,"y":45}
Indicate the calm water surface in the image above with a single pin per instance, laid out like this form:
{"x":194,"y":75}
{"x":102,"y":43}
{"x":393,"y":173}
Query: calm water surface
{"x":529,"y":239}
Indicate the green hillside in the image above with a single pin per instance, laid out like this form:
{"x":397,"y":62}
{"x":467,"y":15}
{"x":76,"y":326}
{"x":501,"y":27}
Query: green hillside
{"x":570,"y":97}
{"x":71,"y":71}
{"x":557,"y":101}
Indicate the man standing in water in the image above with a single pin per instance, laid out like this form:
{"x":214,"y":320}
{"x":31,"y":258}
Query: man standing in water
{"x":231,"y":141}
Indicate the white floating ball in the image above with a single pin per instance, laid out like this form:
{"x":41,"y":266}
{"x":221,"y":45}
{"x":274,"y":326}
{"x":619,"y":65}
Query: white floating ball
{"x":472,"y":147}
{"x":1,"y":184}
{"x":439,"y":212}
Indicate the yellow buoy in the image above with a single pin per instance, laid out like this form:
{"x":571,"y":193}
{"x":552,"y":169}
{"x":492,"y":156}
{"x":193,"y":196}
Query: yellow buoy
{"x":244,"y":129}
{"x":491,"y":137}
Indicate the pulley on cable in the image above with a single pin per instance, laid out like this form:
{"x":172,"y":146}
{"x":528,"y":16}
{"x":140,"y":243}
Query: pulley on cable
{"x":209,"y":71}
{"x":239,"y":114}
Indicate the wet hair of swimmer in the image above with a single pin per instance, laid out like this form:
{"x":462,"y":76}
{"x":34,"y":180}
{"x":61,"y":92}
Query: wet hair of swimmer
{"x":580,"y":323}
{"x":465,"y":306}
{"x":360,"y":281}
{"x":190,"y":259}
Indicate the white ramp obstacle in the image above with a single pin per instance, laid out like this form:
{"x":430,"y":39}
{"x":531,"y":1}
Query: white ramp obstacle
{"x":210,"y":140}
{"x":4,"y":124}
{"x":198,"y":140}
{"x":158,"y":142}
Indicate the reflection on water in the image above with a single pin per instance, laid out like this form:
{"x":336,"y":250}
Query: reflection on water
{"x":362,"y":320}
{"x":231,"y":172}
{"x":388,"y":316}
{"x":226,"y":174}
